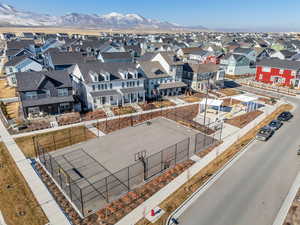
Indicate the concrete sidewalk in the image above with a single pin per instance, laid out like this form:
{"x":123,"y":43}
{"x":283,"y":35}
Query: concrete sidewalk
{"x":39,"y":190}
{"x":86,"y":123}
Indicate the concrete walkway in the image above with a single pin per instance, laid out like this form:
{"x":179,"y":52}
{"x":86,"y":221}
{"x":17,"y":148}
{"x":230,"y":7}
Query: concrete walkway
{"x":2,"y":221}
{"x":95,"y":121}
{"x":95,"y":130}
{"x":39,"y":190}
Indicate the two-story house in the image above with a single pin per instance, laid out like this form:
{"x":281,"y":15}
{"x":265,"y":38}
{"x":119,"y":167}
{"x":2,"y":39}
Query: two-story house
{"x":20,"y":64}
{"x":45,"y":93}
{"x":99,"y":84}
{"x":199,"y":77}
{"x":237,"y":64}
{"x":278,"y":72}
{"x":163,"y":75}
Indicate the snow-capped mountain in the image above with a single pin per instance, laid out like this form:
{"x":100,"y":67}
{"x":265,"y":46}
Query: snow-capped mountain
{"x":10,"y":16}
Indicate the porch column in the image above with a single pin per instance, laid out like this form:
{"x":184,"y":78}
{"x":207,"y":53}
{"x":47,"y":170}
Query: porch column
{"x":144,"y":93}
{"x":137,"y":96}
{"x":122,"y":100}
{"x":109,"y":99}
{"x":130,"y":98}
{"x":117,"y":101}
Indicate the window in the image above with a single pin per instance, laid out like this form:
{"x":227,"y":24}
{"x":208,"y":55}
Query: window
{"x":62,"y":92}
{"x":93,"y":87}
{"x":99,"y":87}
{"x":123,"y":84}
{"x":138,"y":83}
{"x":260,"y":77}
{"x":33,"y":110}
{"x":111,"y":98}
{"x":64,"y":106}
{"x":266,"y":69}
{"x":110,"y":85}
{"x":11,"y":69}
{"x":31,"y":95}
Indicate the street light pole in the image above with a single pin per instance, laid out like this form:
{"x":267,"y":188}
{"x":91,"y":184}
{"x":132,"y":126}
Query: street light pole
{"x":206,"y":98}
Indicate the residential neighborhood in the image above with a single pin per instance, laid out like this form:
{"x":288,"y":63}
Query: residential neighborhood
{"x":121,"y":119}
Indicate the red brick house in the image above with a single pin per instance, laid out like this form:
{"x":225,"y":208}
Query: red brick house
{"x":278,"y":72}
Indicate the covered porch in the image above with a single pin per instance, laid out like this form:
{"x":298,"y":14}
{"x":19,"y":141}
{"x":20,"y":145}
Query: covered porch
{"x":172,"y":88}
{"x":107,"y":97}
{"x":132,"y":95}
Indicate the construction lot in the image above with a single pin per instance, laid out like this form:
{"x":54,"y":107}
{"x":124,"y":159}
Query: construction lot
{"x":17,"y":202}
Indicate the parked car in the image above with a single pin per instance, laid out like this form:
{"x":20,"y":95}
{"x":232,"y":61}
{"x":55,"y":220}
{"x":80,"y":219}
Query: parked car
{"x":275,"y":124}
{"x":264,"y":133}
{"x":285,"y":116}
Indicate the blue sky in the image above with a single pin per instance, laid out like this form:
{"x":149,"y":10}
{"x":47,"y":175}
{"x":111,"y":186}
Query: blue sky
{"x":209,"y":13}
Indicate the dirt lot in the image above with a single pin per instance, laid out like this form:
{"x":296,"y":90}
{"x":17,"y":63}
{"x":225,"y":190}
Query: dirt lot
{"x":6,"y":91}
{"x":242,"y":120}
{"x":54,"y":140}
{"x":17,"y":202}
{"x":176,"y":199}
{"x":229,"y":91}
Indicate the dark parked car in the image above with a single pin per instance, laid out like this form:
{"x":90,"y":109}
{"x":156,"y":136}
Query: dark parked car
{"x":285,"y":116}
{"x":275,"y":124}
{"x":264,"y":133}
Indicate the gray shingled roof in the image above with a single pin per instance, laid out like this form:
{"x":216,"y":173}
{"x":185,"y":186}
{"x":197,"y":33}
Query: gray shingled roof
{"x":153,"y":69}
{"x":112,"y":68}
{"x":105,"y":93}
{"x":176,"y":84}
{"x":66,"y":58}
{"x":116,"y":55}
{"x":47,"y":101}
{"x":132,"y":89}
{"x":30,"y":81}
{"x":278,"y":63}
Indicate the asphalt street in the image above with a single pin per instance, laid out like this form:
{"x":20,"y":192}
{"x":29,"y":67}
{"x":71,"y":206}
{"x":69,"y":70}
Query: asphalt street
{"x":252,"y":191}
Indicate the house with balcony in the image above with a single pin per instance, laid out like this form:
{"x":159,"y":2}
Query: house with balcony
{"x":199,"y":77}
{"x":45,"y":93}
{"x":278,"y":72}
{"x":104,"y":84}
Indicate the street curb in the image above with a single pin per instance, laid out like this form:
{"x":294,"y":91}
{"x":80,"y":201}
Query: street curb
{"x":188,"y":202}
{"x":282,"y":214}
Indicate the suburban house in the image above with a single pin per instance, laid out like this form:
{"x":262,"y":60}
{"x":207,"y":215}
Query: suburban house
{"x":99,"y":84}
{"x":20,"y":47}
{"x":237,"y":64}
{"x":20,"y":64}
{"x":61,"y":60}
{"x":283,"y":54}
{"x":278,"y":72}
{"x":115,"y":57}
{"x":45,"y":93}
{"x":163,"y":75}
{"x":199,"y":77}
{"x":186,"y":52}
{"x":248,"y":52}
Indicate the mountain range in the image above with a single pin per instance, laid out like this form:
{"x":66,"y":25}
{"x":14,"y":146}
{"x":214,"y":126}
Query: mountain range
{"x":10,"y":16}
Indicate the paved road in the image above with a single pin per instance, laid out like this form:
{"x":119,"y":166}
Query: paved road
{"x":254,"y":188}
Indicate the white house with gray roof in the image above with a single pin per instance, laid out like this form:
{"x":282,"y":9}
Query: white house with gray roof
{"x":100,"y":84}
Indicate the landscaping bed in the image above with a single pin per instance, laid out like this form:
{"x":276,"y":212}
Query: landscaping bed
{"x":227,"y":102}
{"x":242,"y":120}
{"x":95,"y":115}
{"x":123,"y":110}
{"x":229,"y":91}
{"x":54,"y":140}
{"x":190,"y":99}
{"x":163,"y":103}
{"x":68,"y":118}
{"x":147,"y":106}
{"x":268,"y":101}
{"x":17,"y":203}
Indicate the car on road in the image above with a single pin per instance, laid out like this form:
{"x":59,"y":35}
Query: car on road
{"x":285,"y":116}
{"x":275,"y":124}
{"x":264,"y":133}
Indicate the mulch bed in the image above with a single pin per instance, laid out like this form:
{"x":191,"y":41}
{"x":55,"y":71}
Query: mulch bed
{"x":123,"y":110}
{"x":230,"y":102}
{"x":68,"y":118}
{"x":95,"y":115}
{"x":242,"y":120}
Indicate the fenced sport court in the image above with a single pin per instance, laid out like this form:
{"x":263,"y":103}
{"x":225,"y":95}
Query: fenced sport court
{"x":101,"y":170}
